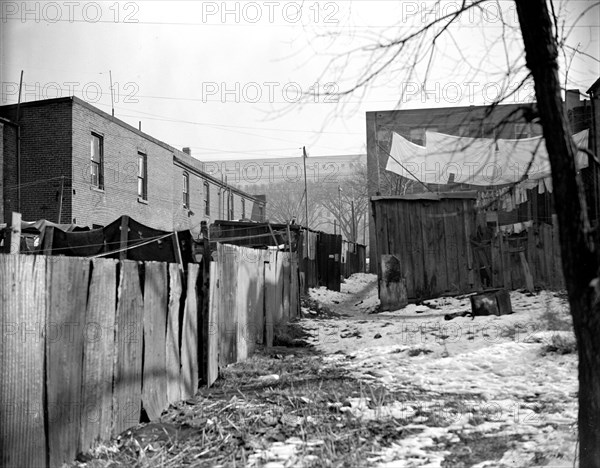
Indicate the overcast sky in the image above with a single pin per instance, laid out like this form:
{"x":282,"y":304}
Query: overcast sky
{"x":226,"y":78}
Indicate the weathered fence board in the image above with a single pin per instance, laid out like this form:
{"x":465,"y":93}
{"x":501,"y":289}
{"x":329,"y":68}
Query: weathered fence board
{"x":227,"y":257}
{"x":65,"y":315}
{"x":271,"y":300}
{"x":212,"y":364}
{"x":294,"y":289}
{"x":189,"y":339}
{"x":98,"y":354}
{"x":22,"y":315}
{"x":129,"y":335}
{"x":286,"y":277}
{"x":154,"y":380}
{"x":243,"y":304}
{"x":172,"y":355}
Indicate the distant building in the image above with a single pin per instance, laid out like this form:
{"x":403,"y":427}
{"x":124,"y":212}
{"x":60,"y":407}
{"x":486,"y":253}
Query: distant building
{"x":278,"y":176}
{"x":256,"y":174}
{"x":67,"y":161}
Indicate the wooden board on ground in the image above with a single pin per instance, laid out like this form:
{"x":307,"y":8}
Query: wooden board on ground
{"x":212,"y":363}
{"x":67,"y":286}
{"x":189,"y":339}
{"x":98,"y":354}
{"x":127,"y":394}
{"x":154,"y":379}
{"x":23,"y":292}
{"x":172,"y":350}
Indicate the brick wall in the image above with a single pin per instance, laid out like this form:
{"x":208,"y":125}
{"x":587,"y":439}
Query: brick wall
{"x":120,"y":195}
{"x":45,"y":158}
{"x":9,"y":181}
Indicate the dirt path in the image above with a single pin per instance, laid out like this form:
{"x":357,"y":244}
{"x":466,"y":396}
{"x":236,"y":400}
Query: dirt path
{"x":400,"y":389}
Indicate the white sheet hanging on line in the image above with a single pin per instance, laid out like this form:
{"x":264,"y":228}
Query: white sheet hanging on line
{"x":476,"y":161}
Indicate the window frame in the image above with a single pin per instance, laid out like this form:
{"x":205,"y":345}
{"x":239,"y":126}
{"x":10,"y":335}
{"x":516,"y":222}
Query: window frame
{"x":143,"y":178}
{"x":97,"y":181}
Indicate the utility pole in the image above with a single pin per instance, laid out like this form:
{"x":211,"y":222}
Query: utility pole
{"x":340,"y":207}
{"x":112,"y":99}
{"x":304,"y":156}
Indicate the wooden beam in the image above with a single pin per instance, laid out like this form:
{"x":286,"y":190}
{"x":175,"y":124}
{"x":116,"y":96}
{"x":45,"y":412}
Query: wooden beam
{"x":14,"y":240}
{"x":124,"y":237}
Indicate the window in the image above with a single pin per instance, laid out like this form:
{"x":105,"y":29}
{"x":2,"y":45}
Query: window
{"x":206,"y":199}
{"x":97,"y":161}
{"x":243,"y":208}
{"x":142,"y":176}
{"x":186,"y":190}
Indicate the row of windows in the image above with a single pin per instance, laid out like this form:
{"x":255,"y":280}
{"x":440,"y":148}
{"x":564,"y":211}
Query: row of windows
{"x":97,"y":178}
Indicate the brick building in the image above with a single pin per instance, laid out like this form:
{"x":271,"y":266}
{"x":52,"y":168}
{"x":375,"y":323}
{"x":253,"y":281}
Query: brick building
{"x":69,"y":162}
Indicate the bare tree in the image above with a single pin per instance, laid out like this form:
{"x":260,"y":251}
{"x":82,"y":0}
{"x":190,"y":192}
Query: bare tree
{"x":347,"y":202}
{"x":411,"y":51}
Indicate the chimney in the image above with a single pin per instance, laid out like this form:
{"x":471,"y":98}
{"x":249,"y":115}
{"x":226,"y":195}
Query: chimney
{"x":187,"y":151}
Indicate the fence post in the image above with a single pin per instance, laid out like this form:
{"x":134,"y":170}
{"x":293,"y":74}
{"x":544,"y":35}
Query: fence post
{"x":124,"y":237}
{"x":13,"y":241}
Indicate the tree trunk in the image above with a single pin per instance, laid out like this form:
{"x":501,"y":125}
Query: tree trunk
{"x":579,"y":259}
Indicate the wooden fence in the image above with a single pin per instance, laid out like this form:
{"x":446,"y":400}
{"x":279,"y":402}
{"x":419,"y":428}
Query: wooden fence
{"x":252,"y":292}
{"x":435,"y":244}
{"x":354,"y":258}
{"x":89,"y":345}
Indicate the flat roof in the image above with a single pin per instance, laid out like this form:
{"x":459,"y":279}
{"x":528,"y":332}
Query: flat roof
{"x":179,"y":155}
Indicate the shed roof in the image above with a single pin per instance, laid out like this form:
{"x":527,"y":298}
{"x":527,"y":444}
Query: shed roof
{"x":432,"y":196}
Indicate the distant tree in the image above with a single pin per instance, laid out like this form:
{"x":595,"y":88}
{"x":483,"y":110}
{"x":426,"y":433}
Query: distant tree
{"x":347,"y":202}
{"x":330,"y":204}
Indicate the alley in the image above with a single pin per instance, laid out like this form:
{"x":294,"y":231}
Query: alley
{"x":398,"y":389}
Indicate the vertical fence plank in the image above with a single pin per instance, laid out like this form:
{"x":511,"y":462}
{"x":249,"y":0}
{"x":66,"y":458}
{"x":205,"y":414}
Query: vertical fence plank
{"x":271,"y":302}
{"x":189,"y":339}
{"x":173,"y":361}
{"x":294,"y":288}
{"x":243,"y":301}
{"x":67,"y":287}
{"x":285,"y":278}
{"x":154,"y":379}
{"x":98,"y":354}
{"x":212,"y":364}
{"x":227,"y":256}
{"x":22,"y":315}
{"x":129,"y":335}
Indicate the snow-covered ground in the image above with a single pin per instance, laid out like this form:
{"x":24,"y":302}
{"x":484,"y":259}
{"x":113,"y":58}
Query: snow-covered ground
{"x":486,"y":377}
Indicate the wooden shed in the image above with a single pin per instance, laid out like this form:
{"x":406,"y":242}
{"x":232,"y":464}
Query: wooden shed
{"x":423,"y":242}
